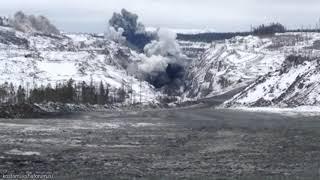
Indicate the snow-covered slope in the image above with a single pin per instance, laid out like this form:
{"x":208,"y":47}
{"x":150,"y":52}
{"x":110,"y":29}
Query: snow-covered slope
{"x":297,"y":83}
{"x":230,"y":64}
{"x":37,"y":59}
{"x":194,"y":50}
{"x":238,"y":62}
{"x":32,"y":60}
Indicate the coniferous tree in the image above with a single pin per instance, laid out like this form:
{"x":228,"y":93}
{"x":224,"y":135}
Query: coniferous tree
{"x":3,"y":92}
{"x":121,"y":95}
{"x":92,"y":93}
{"x":84,"y":92}
{"x":106,"y":94}
{"x":12,"y":94}
{"x":21,"y":95}
{"x":50,"y":94}
{"x":69,"y":92}
{"x":101,"y":95}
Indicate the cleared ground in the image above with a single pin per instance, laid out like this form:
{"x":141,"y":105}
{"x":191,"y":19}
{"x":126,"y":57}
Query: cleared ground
{"x":190,"y":143}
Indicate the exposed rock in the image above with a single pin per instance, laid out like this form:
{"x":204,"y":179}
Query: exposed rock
{"x":21,"y":111}
{"x":293,"y":85}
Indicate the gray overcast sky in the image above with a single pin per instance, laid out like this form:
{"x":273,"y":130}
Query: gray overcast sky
{"x":221,"y":15}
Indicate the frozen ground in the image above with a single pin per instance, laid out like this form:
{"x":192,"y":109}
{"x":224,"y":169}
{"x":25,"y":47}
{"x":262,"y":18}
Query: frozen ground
{"x":190,"y":143}
{"x":297,"y":111}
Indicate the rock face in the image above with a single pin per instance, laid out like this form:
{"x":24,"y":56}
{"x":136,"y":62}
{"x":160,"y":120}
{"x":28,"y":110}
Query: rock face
{"x":279,"y":70}
{"x":296,"y":83}
{"x":231,"y":64}
{"x":21,"y":111}
{"x":8,"y":37}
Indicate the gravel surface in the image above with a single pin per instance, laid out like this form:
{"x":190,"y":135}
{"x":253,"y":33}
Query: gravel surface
{"x":189,"y":143}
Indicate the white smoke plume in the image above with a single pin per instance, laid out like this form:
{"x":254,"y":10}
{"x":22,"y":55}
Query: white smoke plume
{"x":114,"y":35}
{"x":161,"y":52}
{"x":153,"y":64}
{"x":165,"y":45}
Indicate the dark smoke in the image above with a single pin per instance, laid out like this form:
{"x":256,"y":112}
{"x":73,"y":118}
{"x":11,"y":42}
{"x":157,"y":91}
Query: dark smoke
{"x":4,"y":21}
{"x":133,"y":31}
{"x":172,"y":60}
{"x":170,"y":79}
{"x":175,"y":71}
{"x":32,"y":24}
{"x":163,"y":63}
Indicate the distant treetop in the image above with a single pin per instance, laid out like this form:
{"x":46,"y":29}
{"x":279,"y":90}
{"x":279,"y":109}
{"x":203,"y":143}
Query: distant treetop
{"x":269,"y":29}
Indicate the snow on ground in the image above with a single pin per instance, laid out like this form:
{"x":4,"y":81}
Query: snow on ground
{"x":58,"y":70}
{"x":22,"y":153}
{"x":56,"y":59}
{"x":217,"y":67}
{"x":63,"y":125}
{"x":288,"y":87}
{"x":232,"y":63}
{"x":86,"y":38}
{"x":192,"y":30}
{"x":194,"y":50}
{"x":298,"y":111}
{"x":183,"y":30}
{"x":267,"y":90}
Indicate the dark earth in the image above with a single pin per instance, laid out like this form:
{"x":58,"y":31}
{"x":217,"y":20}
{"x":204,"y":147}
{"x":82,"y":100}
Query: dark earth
{"x":186,"y":143}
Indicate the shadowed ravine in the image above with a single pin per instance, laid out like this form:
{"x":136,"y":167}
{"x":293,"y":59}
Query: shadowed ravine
{"x":187,"y":143}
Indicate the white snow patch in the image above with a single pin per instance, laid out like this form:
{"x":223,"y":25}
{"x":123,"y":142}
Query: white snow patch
{"x":22,"y":153}
{"x":302,"y":110}
{"x":56,"y":70}
{"x":146,"y":124}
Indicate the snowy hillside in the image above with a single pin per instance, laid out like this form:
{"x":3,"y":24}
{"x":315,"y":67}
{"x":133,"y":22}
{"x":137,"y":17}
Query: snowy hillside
{"x":296,"y":83}
{"x":293,"y":85}
{"x":238,"y":62}
{"x":36,"y":59}
{"x":194,"y":49}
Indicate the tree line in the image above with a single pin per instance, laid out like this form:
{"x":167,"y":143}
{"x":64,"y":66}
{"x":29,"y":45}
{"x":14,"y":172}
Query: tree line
{"x":217,"y":36}
{"x":269,"y":29}
{"x":261,"y":30}
{"x":211,"y":36}
{"x":68,"y":92}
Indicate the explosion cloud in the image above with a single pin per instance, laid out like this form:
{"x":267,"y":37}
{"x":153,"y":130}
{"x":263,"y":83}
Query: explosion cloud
{"x":32,"y":24}
{"x":134,"y":31}
{"x":162,"y":62}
